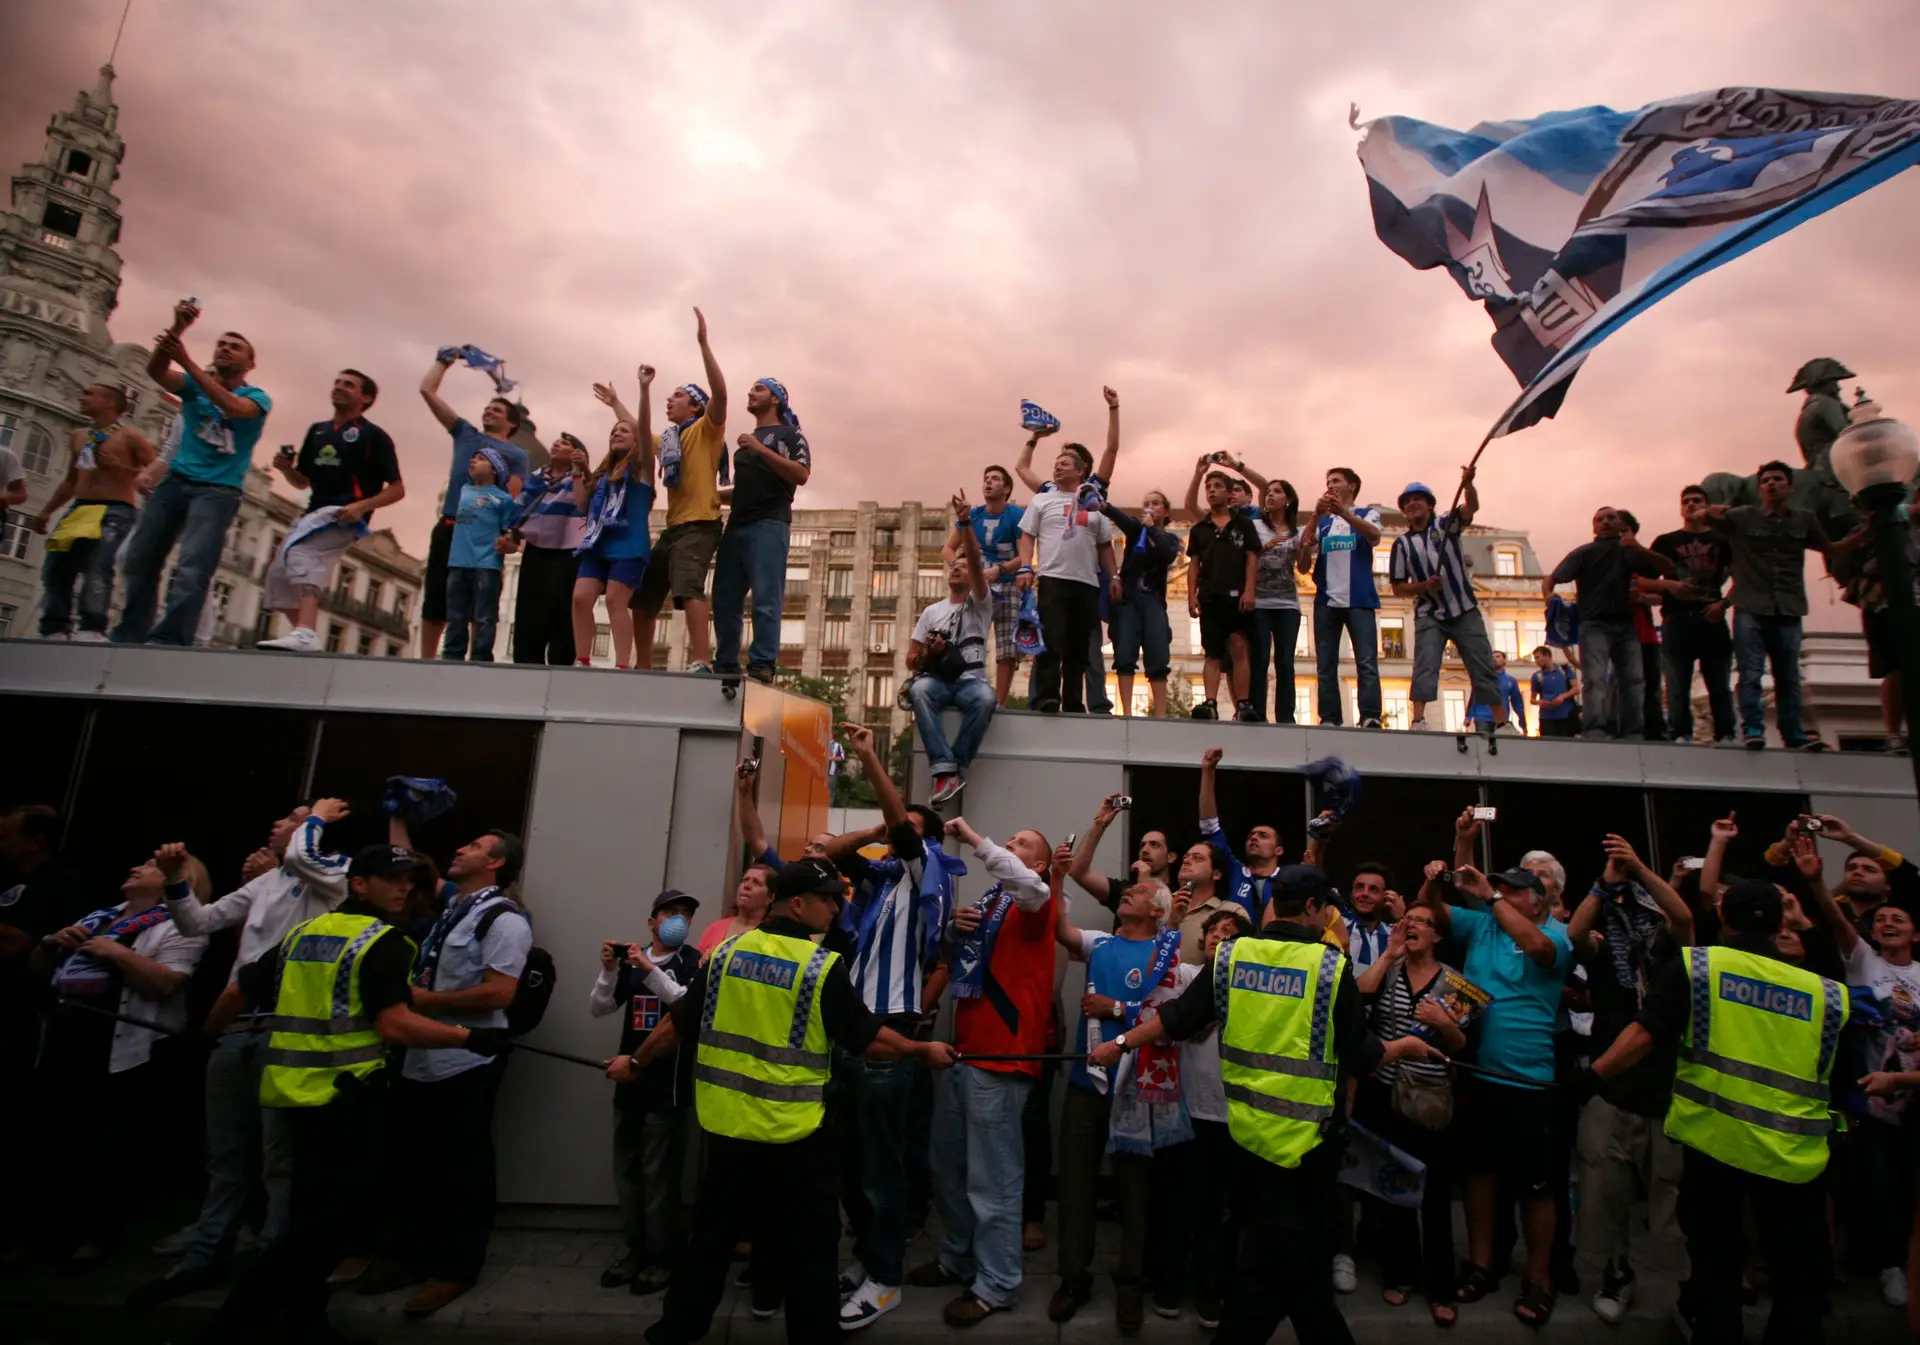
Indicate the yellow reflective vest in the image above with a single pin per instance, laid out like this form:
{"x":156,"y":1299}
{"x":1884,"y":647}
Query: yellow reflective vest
{"x":1750,"y":1088}
{"x":761,"y":1066}
{"x":321,"y":1029}
{"x":1274,"y":1000}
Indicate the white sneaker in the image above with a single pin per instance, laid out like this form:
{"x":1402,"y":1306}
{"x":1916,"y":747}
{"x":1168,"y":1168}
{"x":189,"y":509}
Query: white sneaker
{"x":88,"y":637}
{"x":851,"y":1279}
{"x":299,"y":640}
{"x":1893,"y":1286}
{"x":1417,"y":726}
{"x":1345,"y":1278}
{"x":870,"y":1302}
{"x":175,"y":1243}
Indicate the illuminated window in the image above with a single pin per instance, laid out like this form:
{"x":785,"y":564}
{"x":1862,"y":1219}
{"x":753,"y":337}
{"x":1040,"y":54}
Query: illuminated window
{"x":836,"y":633}
{"x":840,"y":582}
{"x":1393,"y":637}
{"x":886,"y":583}
{"x":793,"y":633}
{"x":1506,"y":562}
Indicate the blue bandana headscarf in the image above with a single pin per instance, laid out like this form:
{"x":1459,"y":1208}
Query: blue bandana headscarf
{"x":499,"y":461}
{"x":779,"y":391}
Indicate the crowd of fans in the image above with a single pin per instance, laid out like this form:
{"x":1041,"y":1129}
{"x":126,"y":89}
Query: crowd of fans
{"x":1522,"y":968}
{"x":1058,"y":580}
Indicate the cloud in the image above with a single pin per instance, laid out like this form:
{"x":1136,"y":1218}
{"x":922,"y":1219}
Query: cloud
{"x":917,"y":215}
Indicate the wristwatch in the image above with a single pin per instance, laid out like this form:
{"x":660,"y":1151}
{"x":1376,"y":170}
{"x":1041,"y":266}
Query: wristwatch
{"x":1122,"y":1042}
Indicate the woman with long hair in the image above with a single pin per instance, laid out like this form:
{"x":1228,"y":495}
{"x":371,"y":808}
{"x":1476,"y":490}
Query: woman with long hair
{"x":1276,"y":600}
{"x":1138,"y":622}
{"x":616,"y":498}
{"x":750,"y":902}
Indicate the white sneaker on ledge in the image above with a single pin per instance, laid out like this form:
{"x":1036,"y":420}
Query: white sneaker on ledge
{"x":88,"y":637}
{"x":299,"y":640}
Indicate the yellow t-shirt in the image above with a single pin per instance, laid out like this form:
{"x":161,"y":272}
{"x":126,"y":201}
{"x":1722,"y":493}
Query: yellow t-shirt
{"x":697,"y":497}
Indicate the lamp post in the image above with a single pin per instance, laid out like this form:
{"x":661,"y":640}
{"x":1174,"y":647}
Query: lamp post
{"x":1876,"y":458}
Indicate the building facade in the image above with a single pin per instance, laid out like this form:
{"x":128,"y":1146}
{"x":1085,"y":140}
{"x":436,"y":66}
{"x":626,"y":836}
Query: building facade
{"x":59,"y":285}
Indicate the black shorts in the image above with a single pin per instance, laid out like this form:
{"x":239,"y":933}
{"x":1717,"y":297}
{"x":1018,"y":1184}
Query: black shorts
{"x":433,"y":598}
{"x":1506,"y":1131}
{"x":1220,"y":620}
{"x":1878,"y":628}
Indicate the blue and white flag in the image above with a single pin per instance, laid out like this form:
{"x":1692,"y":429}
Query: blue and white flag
{"x":475,"y":358}
{"x":1569,"y":224}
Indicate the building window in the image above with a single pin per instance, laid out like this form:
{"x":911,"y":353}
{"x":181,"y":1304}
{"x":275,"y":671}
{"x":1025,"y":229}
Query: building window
{"x":394,"y":651}
{"x":1506,"y":562}
{"x":801,"y":542}
{"x":799,"y":577}
{"x":79,"y":163}
{"x":15,"y":540}
{"x":1382,"y":556}
{"x":366,"y":643}
{"x":1506,"y":638}
{"x":793,"y":634}
{"x":37,"y":455}
{"x":1193,"y":635}
{"x":880,"y":636}
{"x":1534,"y":633}
{"x":401,"y":599}
{"x":61,"y":219}
{"x":1303,"y":707}
{"x":840,"y":541}
{"x":1303,"y":640}
{"x":836,"y":633}
{"x":7,"y":612}
{"x":930,"y":585}
{"x":880,"y":689}
{"x":933,"y":535}
{"x":278,"y":540}
{"x":336,"y":636}
{"x":840,"y":582}
{"x":344,"y":584}
{"x":374,"y":593}
{"x":1453,"y":709}
{"x":222,"y":598}
{"x":1393,"y":637}
{"x":1395,"y":712}
{"x":602,"y":642}
{"x":886,"y":583}
{"x":885,"y":539}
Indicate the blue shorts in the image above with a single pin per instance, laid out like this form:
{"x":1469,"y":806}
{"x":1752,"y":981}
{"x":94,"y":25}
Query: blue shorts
{"x":601,"y":570}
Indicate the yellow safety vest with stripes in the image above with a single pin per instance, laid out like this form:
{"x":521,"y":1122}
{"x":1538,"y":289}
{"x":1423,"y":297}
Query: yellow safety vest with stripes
{"x":1274,"y":1000}
{"x":760,"y":1069}
{"x":321,"y":1029}
{"x":1750,"y":1088}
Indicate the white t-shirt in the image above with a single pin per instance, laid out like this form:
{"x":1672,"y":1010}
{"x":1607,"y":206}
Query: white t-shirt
{"x":1896,"y":994}
{"x":1058,"y":552}
{"x":1200,"y":1082}
{"x":967,"y":625}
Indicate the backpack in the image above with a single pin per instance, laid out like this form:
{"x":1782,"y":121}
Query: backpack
{"x":536,"y":978}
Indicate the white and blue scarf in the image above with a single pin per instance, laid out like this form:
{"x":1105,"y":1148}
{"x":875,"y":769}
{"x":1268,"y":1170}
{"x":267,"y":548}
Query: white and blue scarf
{"x":88,"y":458}
{"x":80,"y":973}
{"x":975,"y":954}
{"x":608,"y":509}
{"x":671,"y":451}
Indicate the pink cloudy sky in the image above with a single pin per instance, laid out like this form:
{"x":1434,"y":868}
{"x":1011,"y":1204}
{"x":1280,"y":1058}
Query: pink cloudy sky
{"x":918,"y":214}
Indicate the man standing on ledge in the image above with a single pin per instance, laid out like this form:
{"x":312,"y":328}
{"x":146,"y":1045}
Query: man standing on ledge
{"x":691,"y":450}
{"x":771,"y":464}
{"x":762,"y":1015}
{"x":1292,"y":1036}
{"x":500,"y":420}
{"x":221,"y":416}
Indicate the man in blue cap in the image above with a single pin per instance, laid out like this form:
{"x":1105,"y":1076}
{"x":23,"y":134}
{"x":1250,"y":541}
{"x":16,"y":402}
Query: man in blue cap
{"x":1428,"y":567}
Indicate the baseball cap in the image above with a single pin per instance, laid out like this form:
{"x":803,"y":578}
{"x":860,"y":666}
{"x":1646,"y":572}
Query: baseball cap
{"x":1418,"y":488}
{"x":1751,"y":906}
{"x":385,"y":861}
{"x":808,"y":877}
{"x":672,"y":896}
{"x":1302,"y":882}
{"x":1519,"y":877}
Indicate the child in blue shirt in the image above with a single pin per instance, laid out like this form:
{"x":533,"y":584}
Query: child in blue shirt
{"x":473,"y":565}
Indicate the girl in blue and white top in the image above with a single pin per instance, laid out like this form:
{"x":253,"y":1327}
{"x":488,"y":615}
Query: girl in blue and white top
{"x":616,"y":499}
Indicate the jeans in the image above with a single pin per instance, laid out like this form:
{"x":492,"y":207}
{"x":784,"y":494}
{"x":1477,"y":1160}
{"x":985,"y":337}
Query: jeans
{"x":1758,"y":641}
{"x":973,"y":697}
{"x":197,"y":516}
{"x":1362,"y":630}
{"x":1468,"y":632}
{"x":241,"y":1134}
{"x":753,"y":557}
{"x":884,"y":1095}
{"x":472,"y":596}
{"x":1098,"y":702}
{"x":1276,"y":632}
{"x":543,"y":607}
{"x":1686,"y":638}
{"x":1611,"y":677}
{"x":978,"y":1171}
{"x":1653,"y":718}
{"x":90,"y":563}
{"x":1140,"y":631}
{"x":1069,"y":619}
{"x":649,"y":1153}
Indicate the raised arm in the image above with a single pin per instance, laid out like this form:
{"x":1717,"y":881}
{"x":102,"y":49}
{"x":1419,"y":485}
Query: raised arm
{"x":1470,"y":496}
{"x":1527,"y":936}
{"x":1254,"y":479}
{"x":1111,"y":455}
{"x":231,"y":406}
{"x":1209,"y":793}
{"x":1191,"y":501}
{"x":159,"y":364}
{"x":892,"y":808}
{"x":1064,"y":931}
{"x":643,"y":427}
{"x":716,"y":381}
{"x":1080,"y":870}
{"x":753,"y":834}
{"x":1806,"y":858}
{"x":1724,"y":832}
{"x":1466,"y":839}
{"x":1023,"y":465}
{"x":969,"y":543}
{"x":430,"y":393}
{"x":1623,"y":865}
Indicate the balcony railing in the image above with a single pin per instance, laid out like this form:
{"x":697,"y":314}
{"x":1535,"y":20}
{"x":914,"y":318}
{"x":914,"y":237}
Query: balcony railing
{"x":380,"y":618}
{"x":240,"y":562}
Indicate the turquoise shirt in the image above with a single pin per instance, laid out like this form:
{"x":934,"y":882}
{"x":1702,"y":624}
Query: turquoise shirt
{"x":215,"y":449}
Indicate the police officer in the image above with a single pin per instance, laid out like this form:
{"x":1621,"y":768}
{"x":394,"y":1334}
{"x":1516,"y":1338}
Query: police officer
{"x":762,"y":1014}
{"x":340,"y":986}
{"x":1291,"y":1035}
{"x":1756,"y":1040}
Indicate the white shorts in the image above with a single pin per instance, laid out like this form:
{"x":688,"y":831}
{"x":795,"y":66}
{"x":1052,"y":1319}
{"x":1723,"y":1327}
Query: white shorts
{"x":306,"y":562}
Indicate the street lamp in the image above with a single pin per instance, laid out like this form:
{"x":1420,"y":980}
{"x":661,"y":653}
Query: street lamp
{"x":1876,"y":458}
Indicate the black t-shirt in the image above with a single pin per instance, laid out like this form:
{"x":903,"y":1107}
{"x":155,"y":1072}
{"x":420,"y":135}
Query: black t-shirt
{"x":850,"y":1024}
{"x":1143,"y":567}
{"x":386,"y":970}
{"x":1601,"y":569}
{"x":758,"y":491}
{"x":344,"y":463}
{"x":667,"y":1082}
{"x":1647,"y":1088}
{"x":1702,"y":560}
{"x":1221,"y":554}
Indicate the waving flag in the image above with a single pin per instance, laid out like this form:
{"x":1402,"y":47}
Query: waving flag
{"x":475,"y":358}
{"x":1568,"y":225}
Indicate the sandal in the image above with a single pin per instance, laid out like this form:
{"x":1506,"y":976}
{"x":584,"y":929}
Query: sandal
{"x":1535,"y":1303}
{"x":1397,"y":1295}
{"x":1436,"y":1307}
{"x":1476,"y":1282}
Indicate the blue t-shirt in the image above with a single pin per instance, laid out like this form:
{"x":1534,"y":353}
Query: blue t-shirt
{"x":1509,"y":696}
{"x":466,"y":442}
{"x":215,"y":449}
{"x":999,"y":538}
{"x":1343,"y":571}
{"x":485,"y":512}
{"x":1516,"y":1029}
{"x":1238,"y":883}
{"x":1116,"y":968}
{"x":1553,"y":681}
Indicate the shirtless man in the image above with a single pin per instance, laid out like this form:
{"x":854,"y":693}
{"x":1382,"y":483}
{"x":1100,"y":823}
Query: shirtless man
{"x":106,"y":461}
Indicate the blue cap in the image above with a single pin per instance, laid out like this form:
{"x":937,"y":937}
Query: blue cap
{"x":1418,"y":488}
